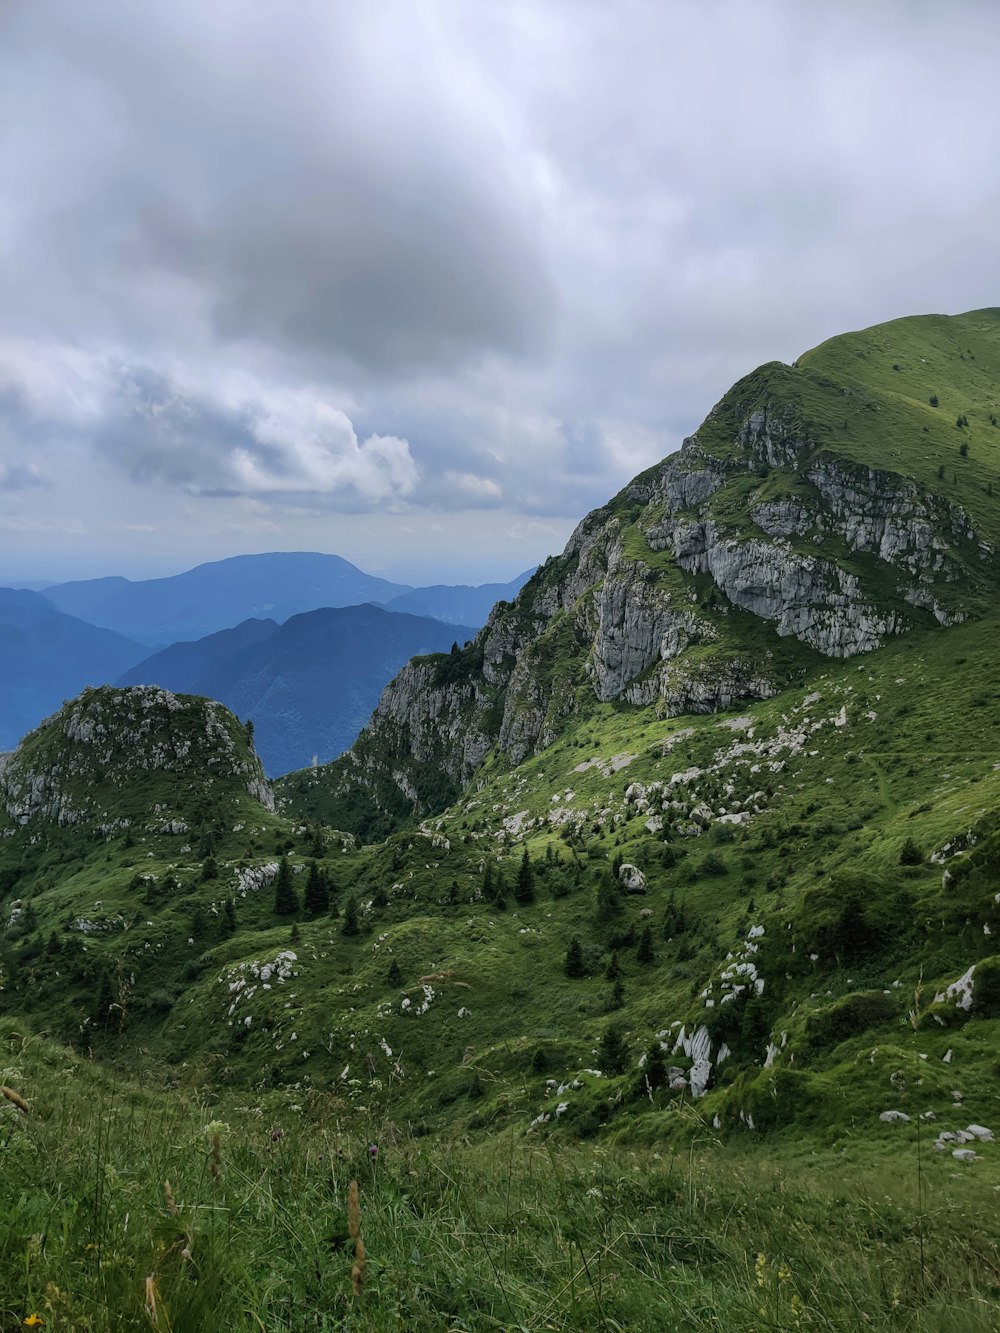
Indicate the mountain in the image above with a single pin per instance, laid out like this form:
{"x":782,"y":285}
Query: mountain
{"x":115,"y":761}
{"x":221,"y":594}
{"x":180,"y":666}
{"x":820,"y":510}
{"x":680,"y":939}
{"x":47,"y":657}
{"x":461,"y":605}
{"x":308,"y":685}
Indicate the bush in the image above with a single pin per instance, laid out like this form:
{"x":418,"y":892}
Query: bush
{"x":910,"y":854}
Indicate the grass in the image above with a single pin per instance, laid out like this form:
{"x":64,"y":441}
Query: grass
{"x":448,"y":1024}
{"x":516,"y":1232}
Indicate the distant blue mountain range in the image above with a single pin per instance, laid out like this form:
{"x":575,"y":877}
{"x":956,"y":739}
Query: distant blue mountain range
{"x":274,"y":586}
{"x":47,"y":657}
{"x":258,"y":632}
{"x":308,"y":686}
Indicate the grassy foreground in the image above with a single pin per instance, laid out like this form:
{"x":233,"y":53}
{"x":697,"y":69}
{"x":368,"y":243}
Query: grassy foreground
{"x":521,"y":1232}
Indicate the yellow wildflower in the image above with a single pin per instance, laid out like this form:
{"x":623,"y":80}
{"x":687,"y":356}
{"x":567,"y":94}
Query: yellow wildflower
{"x":33,"y":1321}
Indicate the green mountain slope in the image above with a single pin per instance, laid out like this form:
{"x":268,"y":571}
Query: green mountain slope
{"x":820,"y":510}
{"x":694,"y":852}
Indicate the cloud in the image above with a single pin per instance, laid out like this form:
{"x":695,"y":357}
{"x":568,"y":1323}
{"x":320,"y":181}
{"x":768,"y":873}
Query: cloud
{"x":444,"y":258}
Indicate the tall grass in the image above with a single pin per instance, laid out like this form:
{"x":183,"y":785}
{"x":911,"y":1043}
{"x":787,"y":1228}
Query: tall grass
{"x":126,"y":1209}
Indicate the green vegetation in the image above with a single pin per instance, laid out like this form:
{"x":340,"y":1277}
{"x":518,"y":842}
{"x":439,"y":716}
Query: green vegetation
{"x":622,"y":994}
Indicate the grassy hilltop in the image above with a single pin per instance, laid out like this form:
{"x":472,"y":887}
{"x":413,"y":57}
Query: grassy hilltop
{"x":637,"y":965}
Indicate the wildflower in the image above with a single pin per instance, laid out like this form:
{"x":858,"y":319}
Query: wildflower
{"x":276,"y":1135}
{"x":33,"y":1321}
{"x":784,"y":1273}
{"x":760,"y":1268}
{"x":373,"y":1150}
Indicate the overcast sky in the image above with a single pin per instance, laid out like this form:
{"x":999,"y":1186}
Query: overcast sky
{"x":420,"y":283}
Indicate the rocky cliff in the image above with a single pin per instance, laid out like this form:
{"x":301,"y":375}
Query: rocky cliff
{"x":769,"y":539}
{"x":135,"y":757}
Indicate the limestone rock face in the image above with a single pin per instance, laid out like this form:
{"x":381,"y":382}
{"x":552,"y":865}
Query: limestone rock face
{"x":761,"y":521}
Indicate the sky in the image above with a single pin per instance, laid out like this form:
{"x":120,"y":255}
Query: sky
{"x":421,"y":283}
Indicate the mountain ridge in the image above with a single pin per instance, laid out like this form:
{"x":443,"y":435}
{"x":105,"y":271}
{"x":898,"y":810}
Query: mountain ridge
{"x":721,"y":572}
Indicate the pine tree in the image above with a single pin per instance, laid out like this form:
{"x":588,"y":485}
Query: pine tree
{"x":394,"y":976}
{"x":317,"y":895}
{"x":209,"y":868}
{"x":644,"y":953}
{"x":286,"y":900}
{"x":105,"y":1000}
{"x":614,"y":968}
{"x":573,"y":965}
{"x":488,"y":881}
{"x":350,"y":924}
{"x":229,"y":912}
{"x":613,"y":1051}
{"x":609,"y":902}
{"x":524,"y":885}
{"x":617,"y":994}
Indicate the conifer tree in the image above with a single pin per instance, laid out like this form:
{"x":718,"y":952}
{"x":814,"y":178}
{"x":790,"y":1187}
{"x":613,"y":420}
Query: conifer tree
{"x":229,"y":914}
{"x":609,"y":902}
{"x":645,"y":953}
{"x":573,"y":965}
{"x":613,"y":1050}
{"x":317,"y":895}
{"x":524,"y":885}
{"x":394,"y":975}
{"x":286,"y":900}
{"x":350,"y":924}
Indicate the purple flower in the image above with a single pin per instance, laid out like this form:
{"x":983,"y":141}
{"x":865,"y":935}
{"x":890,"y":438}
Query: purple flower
{"x":373,"y":1150}
{"x":277,"y":1134}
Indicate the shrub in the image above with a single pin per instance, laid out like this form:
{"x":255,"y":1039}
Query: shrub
{"x":910,"y":854}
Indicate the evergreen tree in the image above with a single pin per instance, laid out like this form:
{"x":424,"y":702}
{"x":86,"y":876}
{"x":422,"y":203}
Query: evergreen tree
{"x":609,"y":901}
{"x":573,"y":965}
{"x":488,"y":881}
{"x":394,"y":976}
{"x":613,"y":1050}
{"x":105,"y":1000}
{"x":644,"y":953}
{"x":614,"y":968}
{"x":539,"y":1061}
{"x":286,"y":900}
{"x":229,"y":915}
{"x":617,"y":994}
{"x":209,"y":868}
{"x":350,"y":924}
{"x":524,"y":885}
{"x":317,"y":895}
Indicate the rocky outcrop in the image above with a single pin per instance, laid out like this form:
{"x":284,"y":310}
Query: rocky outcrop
{"x":756,"y":514}
{"x":105,"y":749}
